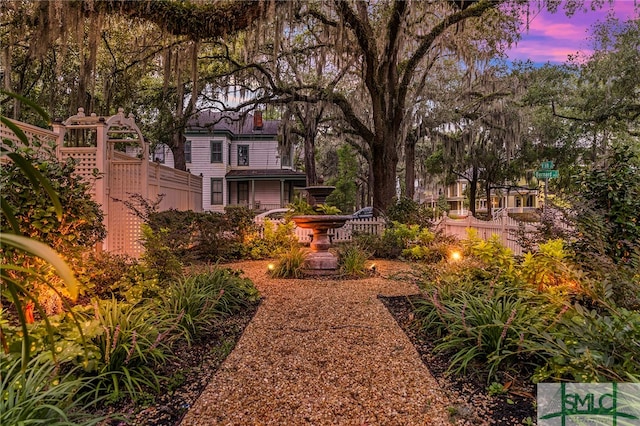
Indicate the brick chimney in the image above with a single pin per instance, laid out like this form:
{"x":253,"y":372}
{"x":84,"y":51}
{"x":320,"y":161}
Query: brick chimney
{"x":257,"y":120}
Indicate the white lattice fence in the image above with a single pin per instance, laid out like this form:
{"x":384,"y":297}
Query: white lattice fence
{"x":124,"y":227}
{"x":86,"y":163}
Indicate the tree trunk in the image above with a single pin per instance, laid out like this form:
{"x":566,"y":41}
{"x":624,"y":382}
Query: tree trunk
{"x":410,"y":165}
{"x":310,"y":131}
{"x":473,"y":190}
{"x":487,"y":190}
{"x":177,"y":148}
{"x":385,"y":162}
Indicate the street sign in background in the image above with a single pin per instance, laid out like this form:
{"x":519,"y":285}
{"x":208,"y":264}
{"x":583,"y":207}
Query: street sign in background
{"x":546,"y":165}
{"x":546,"y":174}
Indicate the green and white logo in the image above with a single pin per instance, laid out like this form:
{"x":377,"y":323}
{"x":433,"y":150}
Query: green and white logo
{"x":568,"y":404}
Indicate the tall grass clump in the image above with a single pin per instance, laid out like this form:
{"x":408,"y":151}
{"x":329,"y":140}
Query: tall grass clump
{"x":352,"y":259}
{"x":541,"y":317}
{"x":133,"y":341}
{"x":41,"y":395}
{"x":291,"y":263}
{"x":196,"y":302}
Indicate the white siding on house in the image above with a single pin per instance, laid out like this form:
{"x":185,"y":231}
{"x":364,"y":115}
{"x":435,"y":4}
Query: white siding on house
{"x":269,"y":192}
{"x":201,"y":165}
{"x":262,"y":155}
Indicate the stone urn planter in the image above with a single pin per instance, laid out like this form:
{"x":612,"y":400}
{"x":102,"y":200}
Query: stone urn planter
{"x":320,"y":261}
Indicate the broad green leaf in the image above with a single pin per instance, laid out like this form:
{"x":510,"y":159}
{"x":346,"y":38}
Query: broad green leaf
{"x":47,"y":253}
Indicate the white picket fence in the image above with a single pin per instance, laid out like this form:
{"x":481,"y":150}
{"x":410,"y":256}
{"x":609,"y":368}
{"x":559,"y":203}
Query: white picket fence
{"x":364,"y":226}
{"x":502,"y":225}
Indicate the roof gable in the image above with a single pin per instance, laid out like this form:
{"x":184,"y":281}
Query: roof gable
{"x":234,"y":124}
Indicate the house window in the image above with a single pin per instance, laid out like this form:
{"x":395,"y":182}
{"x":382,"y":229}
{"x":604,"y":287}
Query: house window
{"x":229,"y":154}
{"x":243,"y":155}
{"x":216,"y":152}
{"x":187,"y":151}
{"x":216,"y":191}
{"x":158,"y":154}
{"x":243,"y":193}
{"x":518,"y":202}
{"x":286,"y":159}
{"x":531,"y":200}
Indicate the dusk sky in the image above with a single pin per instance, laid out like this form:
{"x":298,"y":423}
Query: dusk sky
{"x":552,"y":37}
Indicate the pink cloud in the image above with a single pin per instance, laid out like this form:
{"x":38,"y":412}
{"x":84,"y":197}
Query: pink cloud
{"x":552,"y":37}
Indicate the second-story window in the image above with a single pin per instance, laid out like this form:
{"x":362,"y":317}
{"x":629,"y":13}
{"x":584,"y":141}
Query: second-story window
{"x":216,"y":151}
{"x":187,"y":151}
{"x":243,"y":155}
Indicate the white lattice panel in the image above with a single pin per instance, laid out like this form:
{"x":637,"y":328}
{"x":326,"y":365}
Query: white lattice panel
{"x":124,"y":226}
{"x":85,"y":159}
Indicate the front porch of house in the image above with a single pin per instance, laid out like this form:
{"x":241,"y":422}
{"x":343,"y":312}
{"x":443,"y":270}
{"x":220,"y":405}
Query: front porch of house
{"x":263,"y":190}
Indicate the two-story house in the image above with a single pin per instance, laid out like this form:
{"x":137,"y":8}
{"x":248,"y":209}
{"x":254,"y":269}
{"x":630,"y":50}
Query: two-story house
{"x":520,"y":199}
{"x":240,"y":161}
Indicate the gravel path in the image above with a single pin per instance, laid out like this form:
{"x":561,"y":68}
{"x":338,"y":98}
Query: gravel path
{"x":322,"y":352}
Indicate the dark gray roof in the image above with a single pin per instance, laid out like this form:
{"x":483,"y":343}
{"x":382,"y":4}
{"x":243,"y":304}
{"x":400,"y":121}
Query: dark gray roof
{"x":230,"y":122}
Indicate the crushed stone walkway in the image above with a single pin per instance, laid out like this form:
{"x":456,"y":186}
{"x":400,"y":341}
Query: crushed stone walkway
{"x":322,"y":352}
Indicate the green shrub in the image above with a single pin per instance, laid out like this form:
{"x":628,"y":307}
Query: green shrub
{"x":491,"y":252}
{"x":192,"y":302}
{"x":410,"y":212}
{"x":105,"y":269}
{"x":206,"y":236}
{"x":481,"y":316}
{"x":372,"y":243}
{"x":548,"y":268}
{"x":139,"y":283}
{"x":291,"y":263}
{"x":69,"y":232}
{"x":157,"y":255}
{"x":238,"y":292}
{"x":197,"y":301}
{"x":494,"y":313}
{"x":589,"y":346}
{"x":276,"y":239}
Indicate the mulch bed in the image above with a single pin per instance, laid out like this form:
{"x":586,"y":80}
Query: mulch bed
{"x":474,"y":404}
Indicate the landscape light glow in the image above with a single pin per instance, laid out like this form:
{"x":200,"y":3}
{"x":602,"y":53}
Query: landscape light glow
{"x":455,"y":256}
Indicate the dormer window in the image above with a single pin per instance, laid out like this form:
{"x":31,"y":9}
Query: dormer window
{"x":243,"y":155}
